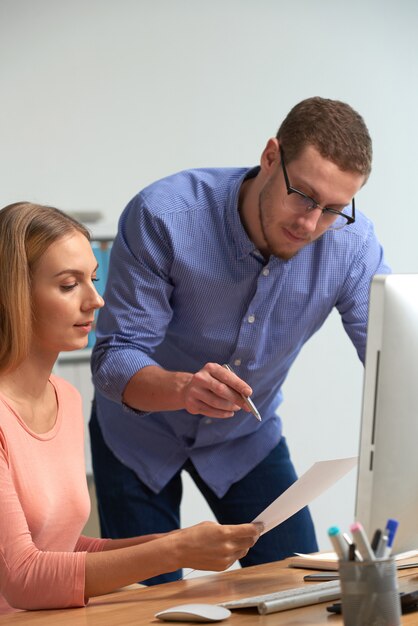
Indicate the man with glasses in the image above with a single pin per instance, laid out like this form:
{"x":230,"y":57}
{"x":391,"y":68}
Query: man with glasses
{"x":237,"y":267}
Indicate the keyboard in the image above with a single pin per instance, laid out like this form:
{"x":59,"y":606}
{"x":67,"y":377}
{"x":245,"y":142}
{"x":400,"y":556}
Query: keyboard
{"x":289,"y":598}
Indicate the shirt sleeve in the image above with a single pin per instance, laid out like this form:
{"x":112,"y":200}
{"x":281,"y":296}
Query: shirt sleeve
{"x":138,"y":309}
{"x":90,"y":544}
{"x":31,"y":578}
{"x":353,"y":303}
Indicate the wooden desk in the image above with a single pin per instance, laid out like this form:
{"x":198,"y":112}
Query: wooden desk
{"x":137,"y":607}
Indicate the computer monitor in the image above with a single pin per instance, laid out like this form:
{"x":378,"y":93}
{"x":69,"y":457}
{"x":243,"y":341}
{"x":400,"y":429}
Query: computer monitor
{"x":387,"y":481}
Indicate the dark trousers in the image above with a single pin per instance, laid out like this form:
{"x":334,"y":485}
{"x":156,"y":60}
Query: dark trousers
{"x":127,"y":507}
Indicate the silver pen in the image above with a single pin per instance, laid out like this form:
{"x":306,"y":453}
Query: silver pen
{"x":248,"y":400}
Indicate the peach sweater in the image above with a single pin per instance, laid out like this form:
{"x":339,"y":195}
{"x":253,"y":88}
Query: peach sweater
{"x":44,"y":504}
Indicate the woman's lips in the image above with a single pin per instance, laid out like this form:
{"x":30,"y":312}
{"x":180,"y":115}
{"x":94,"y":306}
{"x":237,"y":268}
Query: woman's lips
{"x":87,"y":326}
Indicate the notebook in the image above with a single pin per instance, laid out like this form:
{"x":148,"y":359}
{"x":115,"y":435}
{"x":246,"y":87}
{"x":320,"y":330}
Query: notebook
{"x":328,"y":560}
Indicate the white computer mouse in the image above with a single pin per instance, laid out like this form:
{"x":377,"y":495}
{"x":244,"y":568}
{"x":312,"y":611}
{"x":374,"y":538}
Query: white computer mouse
{"x":194,"y":613}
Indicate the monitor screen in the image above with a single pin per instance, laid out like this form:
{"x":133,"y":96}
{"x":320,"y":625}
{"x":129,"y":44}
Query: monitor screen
{"x":387,"y":482}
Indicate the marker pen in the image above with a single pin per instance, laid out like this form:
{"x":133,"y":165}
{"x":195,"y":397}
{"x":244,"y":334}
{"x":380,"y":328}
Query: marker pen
{"x":376,"y":539}
{"x":390,"y":530}
{"x":362,"y":543}
{"x":380,"y":552}
{"x":338,"y":543}
{"x":351,"y":547}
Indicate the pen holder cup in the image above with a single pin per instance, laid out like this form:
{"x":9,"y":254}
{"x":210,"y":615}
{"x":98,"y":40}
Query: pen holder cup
{"x":369,"y":593}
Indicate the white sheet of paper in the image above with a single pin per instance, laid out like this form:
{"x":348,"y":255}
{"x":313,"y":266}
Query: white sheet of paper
{"x":331,"y":556}
{"x":319,"y":556}
{"x":321,"y":476}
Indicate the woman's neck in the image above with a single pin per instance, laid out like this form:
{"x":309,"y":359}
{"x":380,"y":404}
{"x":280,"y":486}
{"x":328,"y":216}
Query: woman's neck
{"x":29,"y":393}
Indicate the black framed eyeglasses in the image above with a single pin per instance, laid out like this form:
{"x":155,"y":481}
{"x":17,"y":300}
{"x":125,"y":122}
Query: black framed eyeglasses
{"x":300,"y":202}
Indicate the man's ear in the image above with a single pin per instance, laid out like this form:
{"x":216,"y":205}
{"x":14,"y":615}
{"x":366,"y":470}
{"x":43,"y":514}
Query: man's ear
{"x":270,"y":155}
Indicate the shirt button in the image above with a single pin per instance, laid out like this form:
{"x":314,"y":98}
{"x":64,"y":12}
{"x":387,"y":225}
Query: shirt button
{"x":208,"y":420}
{"x":237,"y":362}
{"x":251,"y":319}
{"x":266,"y":271}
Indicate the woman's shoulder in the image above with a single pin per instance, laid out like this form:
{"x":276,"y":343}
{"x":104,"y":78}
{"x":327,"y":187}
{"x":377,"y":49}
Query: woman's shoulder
{"x":64,"y":388}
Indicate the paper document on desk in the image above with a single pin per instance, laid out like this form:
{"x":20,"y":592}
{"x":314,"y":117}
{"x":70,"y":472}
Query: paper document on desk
{"x":321,"y":476}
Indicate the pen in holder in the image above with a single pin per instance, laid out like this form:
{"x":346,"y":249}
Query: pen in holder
{"x":369,"y":593}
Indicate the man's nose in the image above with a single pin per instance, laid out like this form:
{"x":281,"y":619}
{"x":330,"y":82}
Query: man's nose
{"x":310,"y":219}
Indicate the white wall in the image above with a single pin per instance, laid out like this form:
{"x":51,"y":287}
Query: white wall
{"x":99,"y":98}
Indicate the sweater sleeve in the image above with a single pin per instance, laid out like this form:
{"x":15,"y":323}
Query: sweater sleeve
{"x":31,"y":578}
{"x":90,"y":544}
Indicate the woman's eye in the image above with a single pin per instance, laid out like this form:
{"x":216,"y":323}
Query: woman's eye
{"x":95,"y":280}
{"x":68,"y":287}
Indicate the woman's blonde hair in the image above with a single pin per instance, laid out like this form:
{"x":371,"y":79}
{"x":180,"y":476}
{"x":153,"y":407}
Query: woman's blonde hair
{"x":26,"y":232}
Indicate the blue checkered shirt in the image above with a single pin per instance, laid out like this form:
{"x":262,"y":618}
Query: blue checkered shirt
{"x":187,"y":286}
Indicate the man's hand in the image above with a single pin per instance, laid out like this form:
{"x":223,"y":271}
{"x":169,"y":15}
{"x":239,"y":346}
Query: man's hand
{"x":216,"y":392}
{"x":213,"y":391}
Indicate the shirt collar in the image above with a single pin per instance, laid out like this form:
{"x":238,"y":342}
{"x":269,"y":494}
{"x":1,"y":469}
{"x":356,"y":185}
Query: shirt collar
{"x":243,"y":244}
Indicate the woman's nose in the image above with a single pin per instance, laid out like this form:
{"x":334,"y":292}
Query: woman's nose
{"x":94,"y":300}
{"x":99,"y":301}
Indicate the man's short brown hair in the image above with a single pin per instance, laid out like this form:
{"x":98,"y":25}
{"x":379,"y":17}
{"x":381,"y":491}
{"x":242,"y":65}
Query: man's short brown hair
{"x":334,"y":128}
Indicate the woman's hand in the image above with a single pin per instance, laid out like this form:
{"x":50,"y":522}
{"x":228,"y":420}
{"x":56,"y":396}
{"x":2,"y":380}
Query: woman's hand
{"x":214,"y":547}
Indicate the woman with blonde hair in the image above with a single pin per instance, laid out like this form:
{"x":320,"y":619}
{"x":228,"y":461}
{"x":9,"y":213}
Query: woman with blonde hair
{"x":47,"y":305}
